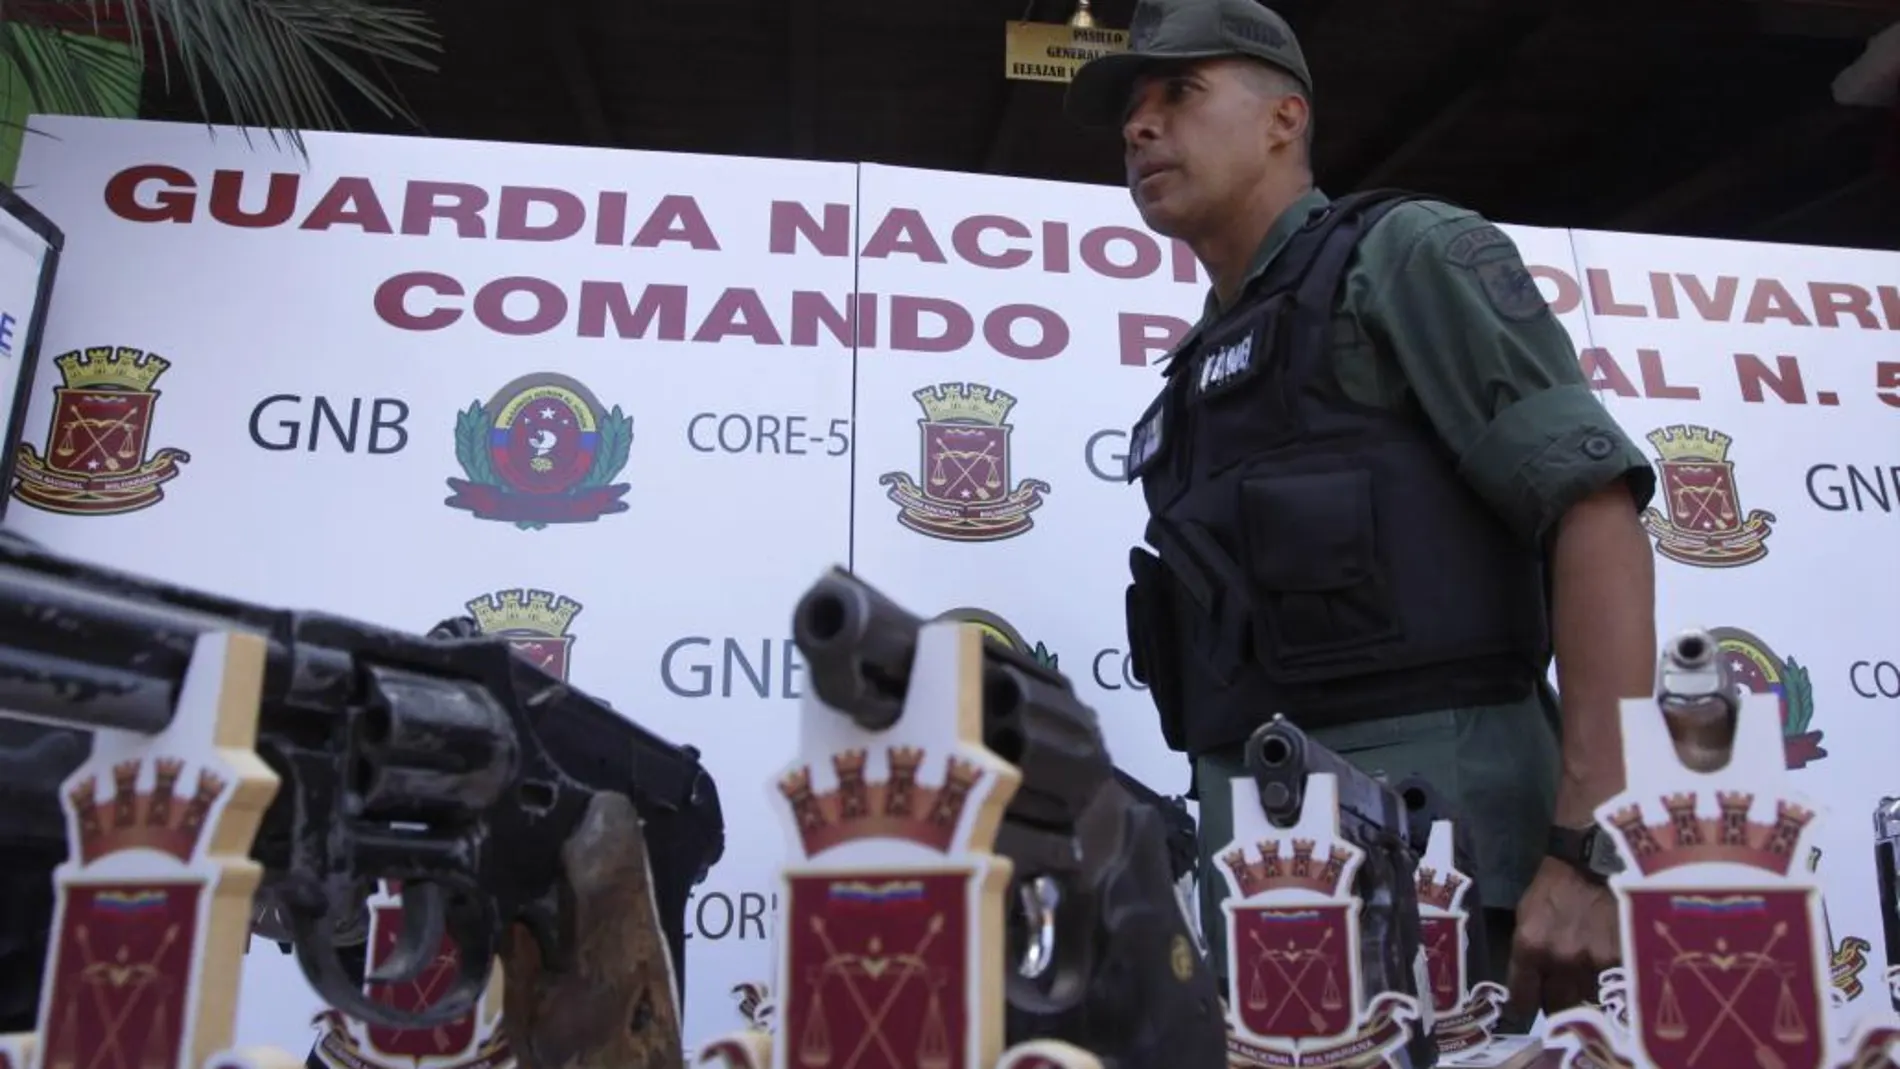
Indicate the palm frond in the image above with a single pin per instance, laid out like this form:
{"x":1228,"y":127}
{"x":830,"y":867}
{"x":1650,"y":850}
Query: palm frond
{"x":270,"y":63}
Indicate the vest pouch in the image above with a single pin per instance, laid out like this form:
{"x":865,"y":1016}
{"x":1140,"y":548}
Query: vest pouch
{"x":1323,"y":607}
{"x":1151,"y":632}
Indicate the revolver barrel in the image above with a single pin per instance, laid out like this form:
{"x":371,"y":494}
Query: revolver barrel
{"x":857,"y":645}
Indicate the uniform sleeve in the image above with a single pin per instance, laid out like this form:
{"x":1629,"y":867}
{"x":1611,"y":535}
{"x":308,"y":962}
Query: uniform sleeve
{"x":1492,"y":367}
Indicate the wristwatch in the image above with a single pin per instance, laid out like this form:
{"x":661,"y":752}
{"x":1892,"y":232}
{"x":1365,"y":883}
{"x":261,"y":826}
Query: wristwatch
{"x":1589,"y":849}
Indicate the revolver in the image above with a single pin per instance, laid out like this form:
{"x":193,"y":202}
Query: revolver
{"x":450,"y":764}
{"x":1096,"y":939}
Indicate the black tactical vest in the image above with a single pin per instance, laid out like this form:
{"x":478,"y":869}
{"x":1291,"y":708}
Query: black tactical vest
{"x":1316,"y":557}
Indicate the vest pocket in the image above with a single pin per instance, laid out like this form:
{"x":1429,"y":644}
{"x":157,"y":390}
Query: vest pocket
{"x":1151,"y":632}
{"x":1323,"y":607}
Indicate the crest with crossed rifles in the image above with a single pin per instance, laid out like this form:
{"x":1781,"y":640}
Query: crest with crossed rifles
{"x":964,"y":494}
{"x":891,"y":938}
{"x":1726,"y":958}
{"x":95,"y":462}
{"x":1293,"y":943}
{"x":143,"y":970}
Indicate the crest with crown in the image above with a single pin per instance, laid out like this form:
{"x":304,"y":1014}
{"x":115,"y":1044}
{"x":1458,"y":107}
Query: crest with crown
{"x":1688,"y":444}
{"x":1439,"y":892}
{"x":1276,"y":868}
{"x":158,"y":818}
{"x":895,"y":807}
{"x":106,"y":368}
{"x":1688,"y":837}
{"x":964,"y":402}
{"x":534,"y":611}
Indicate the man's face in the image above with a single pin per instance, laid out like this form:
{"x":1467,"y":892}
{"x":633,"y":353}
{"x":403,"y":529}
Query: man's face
{"x":1197,"y":139}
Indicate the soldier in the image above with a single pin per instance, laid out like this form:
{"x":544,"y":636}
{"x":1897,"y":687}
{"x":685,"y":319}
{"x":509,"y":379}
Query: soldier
{"x":1381,"y":493}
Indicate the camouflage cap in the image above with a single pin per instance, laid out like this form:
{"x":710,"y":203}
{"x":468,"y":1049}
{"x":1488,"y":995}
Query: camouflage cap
{"x":1166,"y":31}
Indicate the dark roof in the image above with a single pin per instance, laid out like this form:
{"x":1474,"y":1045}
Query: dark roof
{"x":1698,"y":117}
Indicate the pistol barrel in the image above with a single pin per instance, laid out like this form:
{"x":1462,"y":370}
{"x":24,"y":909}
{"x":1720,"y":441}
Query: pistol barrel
{"x":1281,"y":757}
{"x":1692,"y":681}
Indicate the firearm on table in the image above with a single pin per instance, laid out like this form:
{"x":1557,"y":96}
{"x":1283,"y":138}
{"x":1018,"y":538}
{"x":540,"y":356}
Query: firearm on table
{"x":452,"y":765}
{"x":1374,"y":817}
{"x":1887,"y":872}
{"x":1698,"y":699}
{"x":1093,"y":935}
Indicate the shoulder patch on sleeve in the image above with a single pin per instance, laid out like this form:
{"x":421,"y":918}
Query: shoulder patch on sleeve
{"x":1490,"y":255}
{"x":1470,"y":248}
{"x":1510,"y":289}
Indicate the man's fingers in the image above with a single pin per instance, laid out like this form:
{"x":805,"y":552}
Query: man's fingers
{"x":1566,"y":987}
{"x":1526,"y":984}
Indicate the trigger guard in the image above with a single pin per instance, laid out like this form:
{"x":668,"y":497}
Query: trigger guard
{"x":317,"y":958}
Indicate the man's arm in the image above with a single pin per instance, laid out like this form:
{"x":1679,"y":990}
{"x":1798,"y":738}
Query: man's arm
{"x":1448,"y":296}
{"x":1603,"y":625}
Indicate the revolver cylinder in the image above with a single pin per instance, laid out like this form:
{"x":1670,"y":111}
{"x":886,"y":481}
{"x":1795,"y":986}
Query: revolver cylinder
{"x":1039,"y":727}
{"x":429,"y":750}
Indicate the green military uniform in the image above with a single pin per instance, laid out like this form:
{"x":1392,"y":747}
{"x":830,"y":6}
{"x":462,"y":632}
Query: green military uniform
{"x":1438,"y":314}
{"x":1496,"y":375}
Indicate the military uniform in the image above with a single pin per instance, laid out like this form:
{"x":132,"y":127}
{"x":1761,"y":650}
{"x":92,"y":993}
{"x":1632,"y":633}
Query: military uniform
{"x":1352,"y":528}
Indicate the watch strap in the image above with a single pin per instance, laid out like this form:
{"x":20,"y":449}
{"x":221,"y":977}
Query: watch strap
{"x":1580,"y":848}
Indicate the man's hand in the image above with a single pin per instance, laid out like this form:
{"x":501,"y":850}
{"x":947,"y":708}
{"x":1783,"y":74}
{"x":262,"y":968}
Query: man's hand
{"x":616,"y":1007}
{"x":1566,"y":935}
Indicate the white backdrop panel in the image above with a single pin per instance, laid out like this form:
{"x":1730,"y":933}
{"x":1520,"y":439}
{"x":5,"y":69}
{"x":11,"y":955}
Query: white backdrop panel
{"x":1028,"y":517}
{"x":1753,"y":376}
{"x":711,"y":301}
{"x":685,"y":591}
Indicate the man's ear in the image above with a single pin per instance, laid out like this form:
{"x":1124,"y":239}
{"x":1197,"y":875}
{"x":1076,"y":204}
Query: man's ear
{"x":1287,"y":121}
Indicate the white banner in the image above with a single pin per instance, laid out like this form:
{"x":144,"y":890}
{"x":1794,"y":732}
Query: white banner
{"x":654,"y":395}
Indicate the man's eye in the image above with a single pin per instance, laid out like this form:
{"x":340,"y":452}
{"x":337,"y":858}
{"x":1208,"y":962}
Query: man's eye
{"x":1178,"y":88}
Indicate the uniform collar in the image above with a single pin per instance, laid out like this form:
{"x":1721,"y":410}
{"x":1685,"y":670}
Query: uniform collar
{"x":1278,"y":235}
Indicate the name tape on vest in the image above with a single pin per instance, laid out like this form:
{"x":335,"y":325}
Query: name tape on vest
{"x":1144,"y":443}
{"x":1225,"y":366}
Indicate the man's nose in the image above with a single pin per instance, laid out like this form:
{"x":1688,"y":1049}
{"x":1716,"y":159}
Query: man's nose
{"x":1140,"y":126}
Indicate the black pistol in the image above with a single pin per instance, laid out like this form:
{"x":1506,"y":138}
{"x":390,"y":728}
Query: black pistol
{"x":1373,"y":817}
{"x":1099,"y":952}
{"x":451,"y":764}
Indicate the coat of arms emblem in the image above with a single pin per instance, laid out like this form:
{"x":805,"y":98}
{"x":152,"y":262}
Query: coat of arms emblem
{"x":963,"y":492}
{"x":1726,"y":960}
{"x":1293,"y":942}
{"x":1464,"y":1012}
{"x":1701,"y":521}
{"x":535,"y":622}
{"x":891,"y":938}
{"x":95,"y":462}
{"x":542,"y":450}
